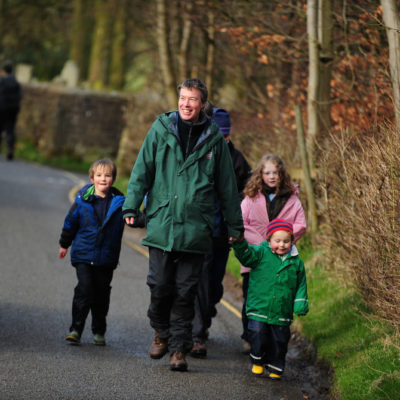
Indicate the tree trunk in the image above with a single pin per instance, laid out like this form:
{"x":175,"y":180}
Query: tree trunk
{"x":118,"y":51}
{"x":210,"y":49}
{"x":313,"y":80}
{"x":392,"y":21}
{"x":185,"y":40}
{"x":325,"y":27}
{"x":166,"y":66}
{"x":312,"y":208}
{"x":81,"y":27}
{"x":100,"y":54}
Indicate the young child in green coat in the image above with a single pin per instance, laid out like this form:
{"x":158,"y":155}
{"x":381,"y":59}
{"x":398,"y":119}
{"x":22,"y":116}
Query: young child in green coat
{"x":277,"y":289}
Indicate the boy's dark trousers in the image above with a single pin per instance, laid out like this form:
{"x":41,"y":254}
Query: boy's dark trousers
{"x":210,"y":290}
{"x":173,"y":278}
{"x":269,"y":345}
{"x":92,"y":293}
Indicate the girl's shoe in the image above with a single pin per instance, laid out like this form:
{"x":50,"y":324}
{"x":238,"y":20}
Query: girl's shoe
{"x":273,"y":376}
{"x":99,"y":340}
{"x":257,"y":369}
{"x":73,"y":337}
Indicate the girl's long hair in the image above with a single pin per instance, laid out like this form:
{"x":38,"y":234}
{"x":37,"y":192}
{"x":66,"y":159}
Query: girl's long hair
{"x":255,"y":184}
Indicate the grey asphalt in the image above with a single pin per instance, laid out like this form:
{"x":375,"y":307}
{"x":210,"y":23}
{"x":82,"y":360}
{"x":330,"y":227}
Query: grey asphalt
{"x":36,"y":291}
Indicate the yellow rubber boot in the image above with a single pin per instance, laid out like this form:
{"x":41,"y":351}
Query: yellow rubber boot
{"x":274,"y":376}
{"x":257,"y":369}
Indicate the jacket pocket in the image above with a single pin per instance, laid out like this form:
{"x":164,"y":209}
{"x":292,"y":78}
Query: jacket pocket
{"x":154,"y":207}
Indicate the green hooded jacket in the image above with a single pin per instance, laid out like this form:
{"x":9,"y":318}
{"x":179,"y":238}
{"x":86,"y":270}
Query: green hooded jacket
{"x":180,"y":206}
{"x":277,"y":287}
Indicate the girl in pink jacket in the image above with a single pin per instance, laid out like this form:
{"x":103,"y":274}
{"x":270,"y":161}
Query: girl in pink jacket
{"x":269,"y":194}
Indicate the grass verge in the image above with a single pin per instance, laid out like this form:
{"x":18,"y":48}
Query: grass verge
{"x":363,"y":352}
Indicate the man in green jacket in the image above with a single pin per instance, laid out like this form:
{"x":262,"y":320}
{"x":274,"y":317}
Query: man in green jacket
{"x":184,"y":159}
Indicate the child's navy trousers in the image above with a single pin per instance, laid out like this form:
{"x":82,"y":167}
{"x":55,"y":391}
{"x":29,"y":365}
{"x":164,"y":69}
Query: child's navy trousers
{"x":269,"y":345}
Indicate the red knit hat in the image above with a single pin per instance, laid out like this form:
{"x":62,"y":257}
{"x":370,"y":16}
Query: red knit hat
{"x":279,"y":225}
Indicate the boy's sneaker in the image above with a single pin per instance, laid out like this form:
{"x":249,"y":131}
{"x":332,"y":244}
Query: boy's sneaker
{"x":257,"y":369}
{"x":99,"y":340}
{"x":274,"y":377}
{"x":73,"y":337}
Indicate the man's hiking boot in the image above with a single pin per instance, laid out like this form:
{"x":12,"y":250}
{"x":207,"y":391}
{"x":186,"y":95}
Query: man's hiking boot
{"x":73,"y":337}
{"x":99,"y":340}
{"x":199,"y":350}
{"x":178,"y":362}
{"x":159,"y":347}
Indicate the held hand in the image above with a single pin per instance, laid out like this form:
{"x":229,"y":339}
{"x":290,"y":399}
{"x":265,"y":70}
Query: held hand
{"x":62,"y":252}
{"x":130,"y":221}
{"x":238,"y":239}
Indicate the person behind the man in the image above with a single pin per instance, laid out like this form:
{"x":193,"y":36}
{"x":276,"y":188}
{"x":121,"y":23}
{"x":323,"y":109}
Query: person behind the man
{"x":183,"y":160}
{"x":210,"y":289}
{"x":10,"y":98}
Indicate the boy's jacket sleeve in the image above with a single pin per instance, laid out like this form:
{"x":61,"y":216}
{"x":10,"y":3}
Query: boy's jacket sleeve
{"x":301,"y":298}
{"x":70,"y":227}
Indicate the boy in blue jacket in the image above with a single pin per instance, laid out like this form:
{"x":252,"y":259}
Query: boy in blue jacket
{"x":277,"y":289}
{"x":94,"y":226}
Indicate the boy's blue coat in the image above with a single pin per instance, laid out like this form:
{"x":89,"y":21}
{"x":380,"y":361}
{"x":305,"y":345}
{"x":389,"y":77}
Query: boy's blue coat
{"x":91,"y":243}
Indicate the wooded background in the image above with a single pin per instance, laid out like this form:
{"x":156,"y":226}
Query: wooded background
{"x":337,"y":61}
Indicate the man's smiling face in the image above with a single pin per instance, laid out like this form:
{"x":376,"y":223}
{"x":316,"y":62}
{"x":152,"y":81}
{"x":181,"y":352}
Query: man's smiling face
{"x":190,"y":104}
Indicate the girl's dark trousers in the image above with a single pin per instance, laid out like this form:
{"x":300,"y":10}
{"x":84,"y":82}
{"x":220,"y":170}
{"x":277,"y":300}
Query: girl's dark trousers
{"x":92,"y":293}
{"x":269,"y":344}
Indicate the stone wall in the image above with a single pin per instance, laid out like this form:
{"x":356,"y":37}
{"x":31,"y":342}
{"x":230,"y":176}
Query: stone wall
{"x":93,"y":124}
{"x":82,"y":123}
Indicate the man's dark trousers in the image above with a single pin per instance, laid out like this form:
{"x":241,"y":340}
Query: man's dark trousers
{"x":173,"y":278}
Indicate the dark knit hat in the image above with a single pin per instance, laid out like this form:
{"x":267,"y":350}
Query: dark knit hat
{"x":221,"y":117}
{"x":279,"y":225}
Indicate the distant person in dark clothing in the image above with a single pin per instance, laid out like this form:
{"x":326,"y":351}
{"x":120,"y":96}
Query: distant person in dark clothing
{"x":210,"y":289}
{"x":10,"y":99}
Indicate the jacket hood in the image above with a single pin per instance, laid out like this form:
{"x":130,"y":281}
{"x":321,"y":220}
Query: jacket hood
{"x":170,"y":121}
{"x":87,"y":192}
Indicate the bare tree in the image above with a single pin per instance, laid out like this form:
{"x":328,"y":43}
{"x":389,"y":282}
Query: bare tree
{"x":99,"y":56}
{"x":118,"y":51}
{"x":185,"y":41}
{"x":210,"y":49}
{"x":313,"y":79}
{"x":166,"y":65}
{"x":325,"y":26}
{"x":392,"y":24}
{"x":81,"y":26}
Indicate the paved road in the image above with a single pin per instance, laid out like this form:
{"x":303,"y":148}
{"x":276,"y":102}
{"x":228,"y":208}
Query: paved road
{"x":35,"y":301}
